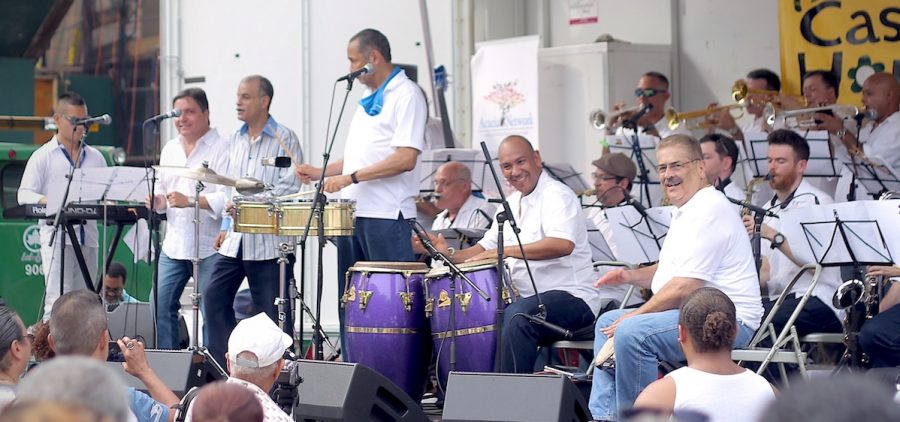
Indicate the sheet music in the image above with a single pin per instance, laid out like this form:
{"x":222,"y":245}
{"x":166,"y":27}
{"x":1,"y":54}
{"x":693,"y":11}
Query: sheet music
{"x":623,"y":144}
{"x":482,"y":181}
{"x":821,"y":163}
{"x":567,"y":174}
{"x":635,"y":241}
{"x":876,"y":179}
{"x":869,"y":227}
{"x":600,"y":250}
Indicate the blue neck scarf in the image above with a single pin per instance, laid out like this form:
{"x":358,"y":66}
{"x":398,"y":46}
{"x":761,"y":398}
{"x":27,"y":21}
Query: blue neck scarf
{"x":374,"y":102}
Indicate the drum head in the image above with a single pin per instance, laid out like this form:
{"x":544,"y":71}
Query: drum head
{"x":388,"y":267}
{"x":466,"y":267}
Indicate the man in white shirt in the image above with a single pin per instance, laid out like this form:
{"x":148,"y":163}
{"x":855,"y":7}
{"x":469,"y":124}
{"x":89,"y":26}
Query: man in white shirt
{"x":378,"y":170}
{"x":255,"y":359}
{"x":250,"y":255}
{"x":554,"y":240}
{"x":787,"y":155}
{"x":720,"y":156}
{"x":705,"y":246}
{"x":50,"y":164}
{"x":613,"y":176}
{"x":196,"y":145}
{"x":453,"y":195}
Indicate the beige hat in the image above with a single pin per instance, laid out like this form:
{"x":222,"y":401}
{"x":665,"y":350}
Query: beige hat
{"x":260,"y":336}
{"x":617,"y":164}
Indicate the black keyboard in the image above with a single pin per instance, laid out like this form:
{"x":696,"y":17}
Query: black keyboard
{"x":119,"y":213}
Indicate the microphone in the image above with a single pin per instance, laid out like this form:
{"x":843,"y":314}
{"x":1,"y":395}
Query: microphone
{"x":87,"y":121}
{"x":536,"y":320}
{"x":865,"y":114}
{"x":631,"y":122}
{"x":751,"y":207}
{"x":637,"y":205}
{"x":280,"y":162}
{"x":355,"y":74}
{"x":176,"y":112}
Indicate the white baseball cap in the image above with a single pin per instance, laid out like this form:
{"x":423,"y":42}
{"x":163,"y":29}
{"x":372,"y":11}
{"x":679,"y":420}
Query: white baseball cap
{"x":260,"y":336}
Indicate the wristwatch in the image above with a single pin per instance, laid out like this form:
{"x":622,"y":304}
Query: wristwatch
{"x":777,"y":240}
{"x":840,"y":134}
{"x":353,"y":178}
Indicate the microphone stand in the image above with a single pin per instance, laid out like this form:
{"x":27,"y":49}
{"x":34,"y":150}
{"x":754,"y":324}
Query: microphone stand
{"x":502,"y":217}
{"x":759,"y":213}
{"x":643,"y":176}
{"x":59,"y":216}
{"x":152,"y":222}
{"x":318,"y":211}
{"x":455,"y":274}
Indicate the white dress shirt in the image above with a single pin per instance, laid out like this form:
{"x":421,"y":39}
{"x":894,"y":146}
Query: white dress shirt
{"x":550,"y":210}
{"x":212,"y":149}
{"x":244,"y":160}
{"x":707,"y":241}
{"x":372,"y":139}
{"x":781,"y":269}
{"x":883,"y":141}
{"x":49,"y":164}
{"x":475,"y":213}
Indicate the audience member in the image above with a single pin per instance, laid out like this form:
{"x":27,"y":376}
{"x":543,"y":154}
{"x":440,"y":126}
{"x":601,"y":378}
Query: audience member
{"x":15,"y":349}
{"x":225,"y":402}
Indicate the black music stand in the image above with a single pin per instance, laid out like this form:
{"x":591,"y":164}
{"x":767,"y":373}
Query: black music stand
{"x":639,"y":240}
{"x":567,"y":175}
{"x":844,"y":242}
{"x":821,"y":161}
{"x":875,"y":176}
{"x":600,"y":250}
{"x":471,"y":158}
{"x":646,"y":183}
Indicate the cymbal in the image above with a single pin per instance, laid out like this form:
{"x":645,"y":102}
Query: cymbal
{"x":201,"y":174}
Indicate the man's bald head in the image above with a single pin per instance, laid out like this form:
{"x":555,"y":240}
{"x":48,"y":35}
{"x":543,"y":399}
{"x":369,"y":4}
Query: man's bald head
{"x":517,"y":141}
{"x":881,"y":93}
{"x":455,"y":169}
{"x":452,"y":186}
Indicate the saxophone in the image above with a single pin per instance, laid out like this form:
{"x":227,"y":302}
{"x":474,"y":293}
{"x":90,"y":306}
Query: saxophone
{"x":748,"y":193}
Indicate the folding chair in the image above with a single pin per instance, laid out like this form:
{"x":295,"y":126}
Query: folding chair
{"x":785,"y":344}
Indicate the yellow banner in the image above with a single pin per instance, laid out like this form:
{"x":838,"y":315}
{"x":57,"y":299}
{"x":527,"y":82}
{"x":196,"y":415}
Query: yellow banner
{"x":852,"y":38}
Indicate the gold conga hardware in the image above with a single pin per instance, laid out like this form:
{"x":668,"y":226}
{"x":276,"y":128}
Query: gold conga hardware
{"x":364,"y":297}
{"x":406,"y":298}
{"x":505,"y":295}
{"x":443,"y":299}
{"x":464,"y":299}
{"x":429,"y":307}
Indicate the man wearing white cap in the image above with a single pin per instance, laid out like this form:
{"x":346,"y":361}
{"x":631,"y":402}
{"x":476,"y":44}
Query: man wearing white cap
{"x":255,"y":358}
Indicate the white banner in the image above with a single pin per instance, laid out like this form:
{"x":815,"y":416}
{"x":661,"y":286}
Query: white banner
{"x":505,"y":91}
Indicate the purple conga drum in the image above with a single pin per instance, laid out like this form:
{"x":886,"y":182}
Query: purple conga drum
{"x":476,"y":318}
{"x":385,"y":325}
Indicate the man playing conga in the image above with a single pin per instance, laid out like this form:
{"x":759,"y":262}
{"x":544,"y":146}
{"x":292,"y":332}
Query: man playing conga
{"x":554,"y":240}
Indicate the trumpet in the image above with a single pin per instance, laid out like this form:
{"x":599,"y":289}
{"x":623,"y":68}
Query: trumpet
{"x":740,"y":91}
{"x":675,"y":119}
{"x":600,"y":121}
{"x":804,"y":118}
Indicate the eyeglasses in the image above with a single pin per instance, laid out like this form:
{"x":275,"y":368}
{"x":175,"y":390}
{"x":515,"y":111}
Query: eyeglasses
{"x":114,"y":289}
{"x":29,"y":337}
{"x":598,"y":177}
{"x":647,"y":92}
{"x":675,"y":166}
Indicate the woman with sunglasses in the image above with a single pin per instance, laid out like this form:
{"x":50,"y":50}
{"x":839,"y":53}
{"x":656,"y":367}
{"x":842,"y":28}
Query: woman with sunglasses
{"x":15,"y":350}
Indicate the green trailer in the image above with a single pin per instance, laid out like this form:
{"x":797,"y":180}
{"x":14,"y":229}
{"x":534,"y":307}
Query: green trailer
{"x":22,"y":278}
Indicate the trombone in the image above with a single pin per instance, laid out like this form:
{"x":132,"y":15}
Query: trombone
{"x":740,"y":91}
{"x":675,"y":119}
{"x":804,"y":118}
{"x":600,"y":121}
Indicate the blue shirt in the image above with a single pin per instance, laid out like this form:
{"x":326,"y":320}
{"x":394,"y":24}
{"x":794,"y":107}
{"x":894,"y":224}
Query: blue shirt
{"x":145,"y":408}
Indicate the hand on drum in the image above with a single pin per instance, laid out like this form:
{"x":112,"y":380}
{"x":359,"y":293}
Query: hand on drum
{"x":336,"y":183}
{"x":488,"y":254}
{"x":177,"y":200}
{"x":307,"y":173}
{"x":612,"y":278}
{"x":417,"y":245}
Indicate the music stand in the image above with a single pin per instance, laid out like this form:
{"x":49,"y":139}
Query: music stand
{"x":471,"y":158}
{"x":646,"y":184}
{"x":600,"y":249}
{"x":821,"y":161}
{"x":876,"y":176}
{"x":757,"y":153}
{"x":566,"y":174}
{"x":638,"y":240}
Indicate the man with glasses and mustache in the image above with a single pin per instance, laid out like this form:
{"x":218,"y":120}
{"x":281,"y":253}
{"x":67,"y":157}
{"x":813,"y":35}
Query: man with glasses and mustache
{"x":653,"y":89}
{"x":705,"y":247}
{"x":787,"y":156}
{"x":49,"y":164}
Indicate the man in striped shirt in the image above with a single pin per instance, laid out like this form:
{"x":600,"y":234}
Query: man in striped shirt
{"x":253,"y":256}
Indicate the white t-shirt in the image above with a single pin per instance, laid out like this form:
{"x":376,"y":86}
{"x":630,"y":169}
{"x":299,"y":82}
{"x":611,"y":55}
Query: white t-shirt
{"x":724,"y":398}
{"x":781,"y":268}
{"x":707,"y":241}
{"x":211,"y":148}
{"x":475,"y":213}
{"x":550,"y":210}
{"x":371,"y":139}
{"x":883,"y":141}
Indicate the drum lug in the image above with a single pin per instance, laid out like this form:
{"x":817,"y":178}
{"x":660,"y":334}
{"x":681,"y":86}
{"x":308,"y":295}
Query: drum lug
{"x":349,"y":295}
{"x":505,"y":295}
{"x":429,"y":307}
{"x":463,"y":299}
{"x":406,"y":298}
{"x":364,"y":297}
{"x":444,"y":299}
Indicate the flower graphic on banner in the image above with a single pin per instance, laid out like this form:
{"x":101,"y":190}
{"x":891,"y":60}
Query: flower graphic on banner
{"x":864,"y":68}
{"x":506,"y":96}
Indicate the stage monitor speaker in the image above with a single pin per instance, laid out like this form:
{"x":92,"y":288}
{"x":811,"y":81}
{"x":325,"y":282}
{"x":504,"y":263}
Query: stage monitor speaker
{"x":180,"y":370}
{"x":336,"y":391}
{"x":473,"y":396}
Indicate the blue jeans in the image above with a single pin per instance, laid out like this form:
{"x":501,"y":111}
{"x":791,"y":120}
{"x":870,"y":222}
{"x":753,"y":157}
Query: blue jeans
{"x":640,"y":343}
{"x":880,"y":337}
{"x":519,"y":343}
{"x":221,"y":287}
{"x":173,"y":276}
{"x":375,"y":239}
